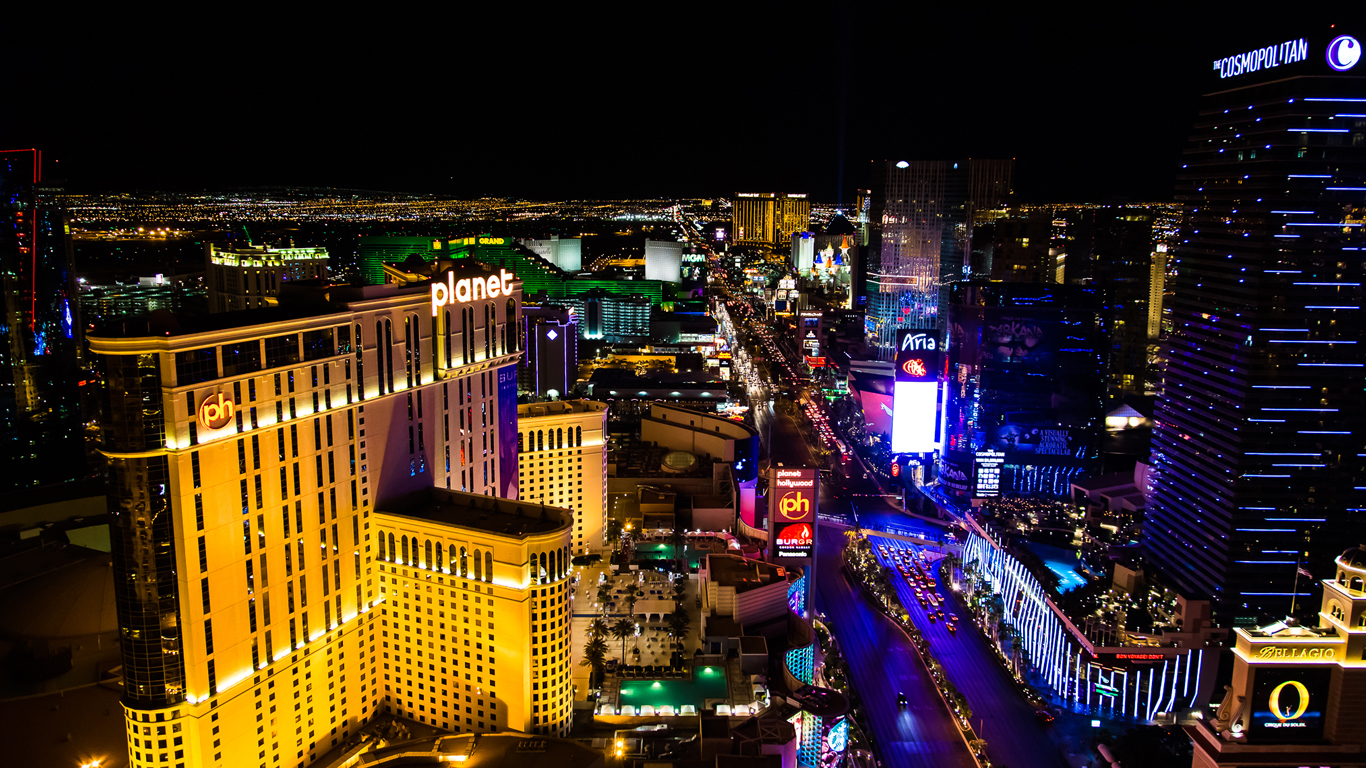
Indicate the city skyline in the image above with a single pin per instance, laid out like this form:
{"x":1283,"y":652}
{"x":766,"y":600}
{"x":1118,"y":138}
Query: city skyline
{"x":285,"y":111}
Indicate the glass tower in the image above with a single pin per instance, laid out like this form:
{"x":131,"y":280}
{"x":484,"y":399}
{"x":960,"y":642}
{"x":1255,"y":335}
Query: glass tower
{"x":40,"y":413}
{"x":1257,"y":459}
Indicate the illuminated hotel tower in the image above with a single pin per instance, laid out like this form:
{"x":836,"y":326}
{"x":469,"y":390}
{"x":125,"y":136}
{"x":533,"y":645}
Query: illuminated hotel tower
{"x":1257,"y":462}
{"x":922,"y":224}
{"x":754,"y":218}
{"x":250,"y":469}
{"x":560,"y":461}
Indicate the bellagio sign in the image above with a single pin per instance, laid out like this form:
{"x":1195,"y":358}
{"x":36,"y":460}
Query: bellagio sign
{"x":470,"y":289}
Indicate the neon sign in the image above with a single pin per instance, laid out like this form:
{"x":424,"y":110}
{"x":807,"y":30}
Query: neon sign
{"x":1343,"y":53}
{"x":914,"y":367}
{"x":1288,"y":52}
{"x":1274,"y":701}
{"x":215,"y":412}
{"x":470,"y":289}
{"x":795,"y":506}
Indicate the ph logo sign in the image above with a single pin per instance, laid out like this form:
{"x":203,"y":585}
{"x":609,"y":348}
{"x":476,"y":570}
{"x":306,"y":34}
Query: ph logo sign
{"x":215,"y":412}
{"x":794,"y":506}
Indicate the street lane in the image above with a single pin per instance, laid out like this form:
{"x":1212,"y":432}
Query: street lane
{"x":999,"y":713}
{"x":882,"y":662}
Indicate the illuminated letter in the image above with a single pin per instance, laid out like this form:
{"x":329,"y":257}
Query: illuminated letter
{"x":506,"y":278}
{"x":462,"y":291}
{"x":478,"y":285}
{"x":1274,"y":702}
{"x":494,"y":286}
{"x":440,"y":296}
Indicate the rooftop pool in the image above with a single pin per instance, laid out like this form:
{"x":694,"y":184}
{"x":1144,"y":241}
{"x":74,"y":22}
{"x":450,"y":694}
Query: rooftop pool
{"x":706,"y":683}
{"x":1064,"y":562}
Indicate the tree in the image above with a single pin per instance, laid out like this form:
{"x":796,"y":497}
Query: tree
{"x":604,"y":595}
{"x":614,"y":532}
{"x":677,"y":538}
{"x":598,"y":628}
{"x":595,"y":656}
{"x":678,"y":622}
{"x":622,"y":629}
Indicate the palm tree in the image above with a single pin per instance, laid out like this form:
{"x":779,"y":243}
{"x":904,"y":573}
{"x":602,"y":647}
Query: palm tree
{"x":678,"y":622}
{"x":595,"y":656}
{"x":604,"y":594}
{"x":598,"y":628}
{"x":621,"y":630}
{"x":677,"y":539}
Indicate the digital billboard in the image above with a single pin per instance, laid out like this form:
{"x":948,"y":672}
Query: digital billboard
{"x":915,"y":412}
{"x":792,"y":512}
{"x":1288,"y":704}
{"x":507,"y":429}
{"x":795,"y":540}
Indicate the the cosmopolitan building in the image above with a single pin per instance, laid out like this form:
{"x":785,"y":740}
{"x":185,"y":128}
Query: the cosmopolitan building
{"x":253,"y":458}
{"x":1257,"y":451}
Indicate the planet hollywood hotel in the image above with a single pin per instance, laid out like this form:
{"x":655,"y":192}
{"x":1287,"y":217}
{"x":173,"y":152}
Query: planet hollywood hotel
{"x":313,"y":524}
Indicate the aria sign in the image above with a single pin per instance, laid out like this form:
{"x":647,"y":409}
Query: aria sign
{"x":470,"y":289}
{"x":215,"y":412}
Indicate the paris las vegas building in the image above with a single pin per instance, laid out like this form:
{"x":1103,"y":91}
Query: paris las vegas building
{"x":313,"y":523}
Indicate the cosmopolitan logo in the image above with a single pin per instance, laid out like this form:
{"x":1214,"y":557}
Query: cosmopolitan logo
{"x":1343,"y":53}
{"x":1288,"y":52}
{"x":470,"y":289}
{"x":215,"y":412}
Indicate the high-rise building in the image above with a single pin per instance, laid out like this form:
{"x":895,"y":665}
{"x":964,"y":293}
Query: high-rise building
{"x":1025,"y":403}
{"x":561,"y":463}
{"x":793,"y":213}
{"x":250,"y":468}
{"x":375,"y":250}
{"x":754,"y":218}
{"x":251,"y":277}
{"x":550,"y":360}
{"x":663,"y":261}
{"x":497,"y":574}
{"x":922,"y":235}
{"x":40,"y":338}
{"x":564,"y":252}
{"x":1257,"y":462}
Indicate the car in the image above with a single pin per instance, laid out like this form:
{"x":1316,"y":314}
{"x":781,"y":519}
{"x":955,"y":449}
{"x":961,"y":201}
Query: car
{"x":1044,"y":716}
{"x":953,"y":627}
{"x":901,"y":699}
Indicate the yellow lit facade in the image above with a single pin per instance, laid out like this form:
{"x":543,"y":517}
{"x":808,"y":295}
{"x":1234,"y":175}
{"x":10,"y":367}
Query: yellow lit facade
{"x":245,"y":465}
{"x":753,"y":218}
{"x":251,"y":277}
{"x":560,"y":462}
{"x":474,"y":631}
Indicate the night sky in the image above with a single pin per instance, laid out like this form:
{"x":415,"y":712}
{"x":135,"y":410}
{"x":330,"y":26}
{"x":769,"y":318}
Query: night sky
{"x":641,"y":99}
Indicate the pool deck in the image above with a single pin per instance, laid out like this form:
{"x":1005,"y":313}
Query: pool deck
{"x":739,"y":690}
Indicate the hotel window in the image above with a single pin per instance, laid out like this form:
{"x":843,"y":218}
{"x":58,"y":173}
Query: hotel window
{"x":282,"y":351}
{"x":241,"y":358}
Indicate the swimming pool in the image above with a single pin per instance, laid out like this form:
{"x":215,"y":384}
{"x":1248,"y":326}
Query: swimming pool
{"x":1063,"y":562}
{"x":706,"y":683}
{"x":652,"y":551}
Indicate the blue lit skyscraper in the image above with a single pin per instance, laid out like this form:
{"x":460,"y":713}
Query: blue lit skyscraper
{"x":40,"y":414}
{"x":1258,"y":447}
{"x":922,"y":217}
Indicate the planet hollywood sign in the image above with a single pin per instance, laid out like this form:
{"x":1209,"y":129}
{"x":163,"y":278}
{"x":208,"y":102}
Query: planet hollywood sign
{"x":470,"y":289}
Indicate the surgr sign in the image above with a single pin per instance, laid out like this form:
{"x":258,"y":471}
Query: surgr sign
{"x":470,"y":289}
